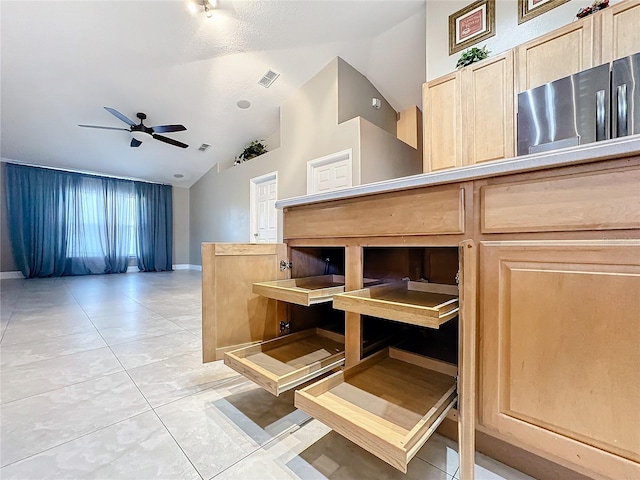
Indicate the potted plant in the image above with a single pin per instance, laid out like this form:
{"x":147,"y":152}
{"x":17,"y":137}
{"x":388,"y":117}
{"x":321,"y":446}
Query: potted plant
{"x":255,"y":148}
{"x":472,"y":55}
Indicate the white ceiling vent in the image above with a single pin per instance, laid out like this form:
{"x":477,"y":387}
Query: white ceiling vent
{"x":268,"y":78}
{"x":203,"y":147}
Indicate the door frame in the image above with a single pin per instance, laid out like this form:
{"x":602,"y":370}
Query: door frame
{"x":253,"y":214}
{"x":327,"y":159}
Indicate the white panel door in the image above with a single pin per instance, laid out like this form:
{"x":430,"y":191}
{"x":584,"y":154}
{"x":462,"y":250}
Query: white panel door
{"x":264,"y":216}
{"x":329,"y":173}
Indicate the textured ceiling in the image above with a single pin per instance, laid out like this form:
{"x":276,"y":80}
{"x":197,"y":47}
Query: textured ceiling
{"x":62,"y":61}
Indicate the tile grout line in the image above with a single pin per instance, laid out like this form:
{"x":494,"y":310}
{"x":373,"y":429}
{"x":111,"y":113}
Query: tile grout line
{"x":143,"y":396}
{"x":74,"y":439}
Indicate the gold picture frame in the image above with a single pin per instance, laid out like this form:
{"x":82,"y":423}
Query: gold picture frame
{"x":528,"y":9}
{"x":472,"y":24}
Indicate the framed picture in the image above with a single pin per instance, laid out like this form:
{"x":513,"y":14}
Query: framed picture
{"x":528,"y":9}
{"x":472,"y":24}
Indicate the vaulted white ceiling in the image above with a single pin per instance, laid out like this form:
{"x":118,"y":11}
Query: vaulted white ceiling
{"x":62,"y":61}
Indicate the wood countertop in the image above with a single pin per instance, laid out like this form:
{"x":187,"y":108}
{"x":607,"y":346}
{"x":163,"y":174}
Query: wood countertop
{"x":616,"y":148}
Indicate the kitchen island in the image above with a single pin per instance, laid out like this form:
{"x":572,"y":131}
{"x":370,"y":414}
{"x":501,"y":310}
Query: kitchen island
{"x":558,"y":290}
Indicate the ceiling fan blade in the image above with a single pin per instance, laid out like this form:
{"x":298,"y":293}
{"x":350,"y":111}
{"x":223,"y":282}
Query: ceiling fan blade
{"x":168,"y":128}
{"x":170,"y":141}
{"x":104,"y":128}
{"x":135,"y":143}
{"x":116,"y":113}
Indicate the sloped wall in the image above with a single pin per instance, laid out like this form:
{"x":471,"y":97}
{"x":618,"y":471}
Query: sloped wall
{"x":309,"y":129}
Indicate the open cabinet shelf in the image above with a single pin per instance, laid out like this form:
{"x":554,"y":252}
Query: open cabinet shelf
{"x":284,"y":363}
{"x":302,"y":291}
{"x":418,"y":303}
{"x":389,"y":404}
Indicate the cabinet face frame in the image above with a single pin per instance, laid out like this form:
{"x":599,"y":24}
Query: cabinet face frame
{"x":573,"y":263}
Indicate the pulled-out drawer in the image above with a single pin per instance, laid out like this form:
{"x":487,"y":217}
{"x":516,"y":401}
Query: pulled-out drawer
{"x":389,"y":404}
{"x":302,"y":291}
{"x":284,"y":363}
{"x":418,"y":303}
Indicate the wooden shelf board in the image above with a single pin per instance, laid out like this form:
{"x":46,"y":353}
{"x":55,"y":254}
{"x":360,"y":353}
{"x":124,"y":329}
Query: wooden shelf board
{"x":386,"y":405}
{"x":286,"y":362}
{"x":418,"y":303}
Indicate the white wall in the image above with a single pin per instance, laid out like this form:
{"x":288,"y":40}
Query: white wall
{"x":309,"y":129}
{"x":355,"y":94}
{"x":508,"y":33}
{"x":383,"y":156}
{"x":180,"y":225}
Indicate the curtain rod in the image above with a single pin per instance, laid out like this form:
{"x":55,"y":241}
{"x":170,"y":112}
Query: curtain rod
{"x":73,"y":170}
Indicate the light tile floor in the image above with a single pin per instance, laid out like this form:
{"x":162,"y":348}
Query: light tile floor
{"x":102,"y":377}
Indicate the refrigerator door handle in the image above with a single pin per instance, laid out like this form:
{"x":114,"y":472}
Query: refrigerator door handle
{"x":601,"y":128}
{"x":621,"y":111}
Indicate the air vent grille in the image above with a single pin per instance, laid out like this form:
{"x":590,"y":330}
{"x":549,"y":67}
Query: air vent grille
{"x":268,"y":78}
{"x":203,"y":147}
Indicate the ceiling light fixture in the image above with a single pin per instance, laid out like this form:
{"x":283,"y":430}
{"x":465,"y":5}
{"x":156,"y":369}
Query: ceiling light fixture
{"x":209,"y":6}
{"x":243,"y":104}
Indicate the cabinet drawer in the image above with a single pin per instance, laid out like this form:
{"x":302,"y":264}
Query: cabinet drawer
{"x":425,"y":211}
{"x":302,"y":291}
{"x":418,"y":303}
{"x":283,"y":363}
{"x":389,"y":404}
{"x":604,"y":200}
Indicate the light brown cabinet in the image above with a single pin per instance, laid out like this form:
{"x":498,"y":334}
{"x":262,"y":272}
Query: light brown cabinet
{"x":469,"y":115}
{"x":560,"y":53}
{"x":488,"y":110}
{"x":620,"y":32}
{"x":558,"y":306}
{"x":560,"y":349}
{"x":232,"y":315}
{"x":442,"y":110}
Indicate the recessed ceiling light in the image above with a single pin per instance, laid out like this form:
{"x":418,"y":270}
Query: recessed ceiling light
{"x":178,"y":175}
{"x":243,"y":104}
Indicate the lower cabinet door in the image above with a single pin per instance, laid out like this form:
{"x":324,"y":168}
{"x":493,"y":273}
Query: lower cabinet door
{"x":560,"y":350}
{"x":389,"y":404}
{"x":284,"y":363}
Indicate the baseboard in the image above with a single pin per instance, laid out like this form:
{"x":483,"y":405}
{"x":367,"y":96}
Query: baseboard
{"x":187,"y":266}
{"x":12,"y":275}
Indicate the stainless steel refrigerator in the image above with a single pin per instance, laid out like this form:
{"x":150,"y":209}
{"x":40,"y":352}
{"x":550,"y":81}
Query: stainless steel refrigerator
{"x":597,"y":104}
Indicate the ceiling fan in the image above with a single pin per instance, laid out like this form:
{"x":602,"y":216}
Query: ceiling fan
{"x":141,"y":132}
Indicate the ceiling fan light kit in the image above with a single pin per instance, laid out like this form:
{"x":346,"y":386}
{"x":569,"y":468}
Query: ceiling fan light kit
{"x":140,"y":132}
{"x":208,"y":5}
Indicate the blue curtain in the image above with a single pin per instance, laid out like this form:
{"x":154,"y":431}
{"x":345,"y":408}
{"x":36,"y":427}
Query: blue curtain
{"x":64,"y":223}
{"x":155,"y":227}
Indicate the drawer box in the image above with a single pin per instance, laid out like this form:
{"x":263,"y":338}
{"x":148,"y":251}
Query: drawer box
{"x":302,"y":291}
{"x":418,"y":303}
{"x":389,"y":404}
{"x":284,"y":363}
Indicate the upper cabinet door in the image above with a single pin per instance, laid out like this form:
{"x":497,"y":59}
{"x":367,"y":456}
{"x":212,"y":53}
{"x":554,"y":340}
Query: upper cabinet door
{"x":620,"y":30}
{"x":442,"y":112}
{"x":557,"y":54}
{"x":488,"y":109}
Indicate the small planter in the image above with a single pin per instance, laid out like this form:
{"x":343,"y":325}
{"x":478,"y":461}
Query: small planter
{"x":472,"y":55}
